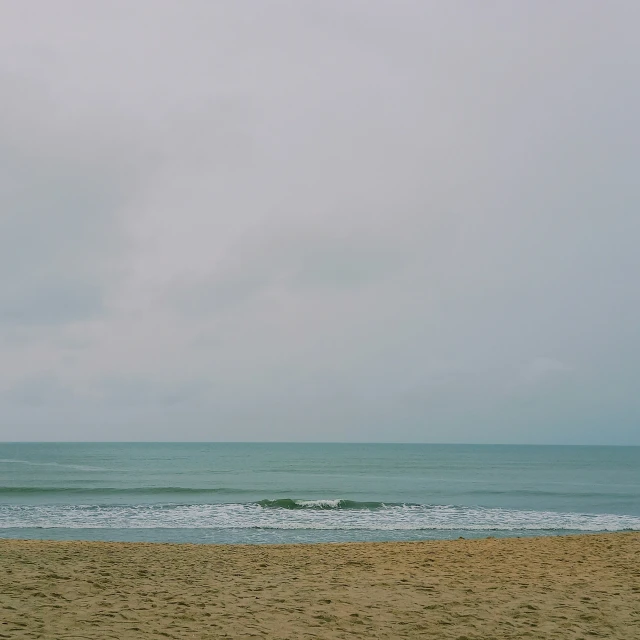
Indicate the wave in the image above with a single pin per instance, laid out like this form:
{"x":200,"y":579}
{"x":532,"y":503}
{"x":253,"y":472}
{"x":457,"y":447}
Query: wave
{"x":289,"y":503}
{"x":120,"y":491}
{"x":538,"y":493}
{"x":311,"y":516}
{"x":31,"y":463}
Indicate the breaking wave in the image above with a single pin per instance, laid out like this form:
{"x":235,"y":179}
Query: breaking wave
{"x":288,"y":503}
{"x":291,"y":514}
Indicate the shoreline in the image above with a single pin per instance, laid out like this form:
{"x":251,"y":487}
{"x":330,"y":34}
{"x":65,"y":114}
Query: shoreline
{"x":565,"y":586}
{"x":468,"y":538}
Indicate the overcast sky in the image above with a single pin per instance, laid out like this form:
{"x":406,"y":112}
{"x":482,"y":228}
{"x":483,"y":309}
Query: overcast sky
{"x":329,"y":220}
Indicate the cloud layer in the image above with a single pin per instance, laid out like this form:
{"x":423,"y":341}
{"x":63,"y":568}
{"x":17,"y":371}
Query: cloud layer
{"x":365,"y":221}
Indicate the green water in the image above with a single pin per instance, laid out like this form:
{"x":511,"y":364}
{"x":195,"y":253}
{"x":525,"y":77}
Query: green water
{"x":313,"y":492}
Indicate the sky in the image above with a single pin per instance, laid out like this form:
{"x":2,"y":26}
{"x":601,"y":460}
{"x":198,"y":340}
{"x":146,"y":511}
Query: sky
{"x":347,"y":220}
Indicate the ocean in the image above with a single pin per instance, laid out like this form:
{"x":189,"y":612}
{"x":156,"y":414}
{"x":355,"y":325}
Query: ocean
{"x":294,"y":493}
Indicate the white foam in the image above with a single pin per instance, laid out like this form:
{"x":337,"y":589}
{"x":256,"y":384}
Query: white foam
{"x":327,"y":504}
{"x":253,"y":516}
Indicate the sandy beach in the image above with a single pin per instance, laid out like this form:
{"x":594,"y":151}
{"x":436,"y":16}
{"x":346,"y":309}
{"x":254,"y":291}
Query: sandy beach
{"x":559,"y":587}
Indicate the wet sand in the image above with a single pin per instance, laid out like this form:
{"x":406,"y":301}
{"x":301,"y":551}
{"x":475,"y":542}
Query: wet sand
{"x":562,"y":587}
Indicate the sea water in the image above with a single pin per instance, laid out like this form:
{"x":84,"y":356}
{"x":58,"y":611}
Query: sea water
{"x":284,"y":493}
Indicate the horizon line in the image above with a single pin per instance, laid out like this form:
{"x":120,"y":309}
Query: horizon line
{"x":320,"y":442}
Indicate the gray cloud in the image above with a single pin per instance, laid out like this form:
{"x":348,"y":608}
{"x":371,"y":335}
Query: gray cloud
{"x":42,"y":390}
{"x":319,"y":221}
{"x":59,"y":234}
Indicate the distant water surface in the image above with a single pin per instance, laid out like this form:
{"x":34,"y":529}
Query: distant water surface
{"x":281,"y":493}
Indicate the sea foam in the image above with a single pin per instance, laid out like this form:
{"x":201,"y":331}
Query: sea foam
{"x":310,"y":514}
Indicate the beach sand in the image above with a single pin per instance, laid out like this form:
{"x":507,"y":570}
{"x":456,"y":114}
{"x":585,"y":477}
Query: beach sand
{"x":559,"y":587}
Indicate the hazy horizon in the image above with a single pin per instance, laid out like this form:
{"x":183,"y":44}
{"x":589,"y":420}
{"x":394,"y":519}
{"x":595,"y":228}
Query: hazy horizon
{"x":340,"y":221}
{"x":321,"y":442}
